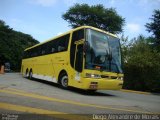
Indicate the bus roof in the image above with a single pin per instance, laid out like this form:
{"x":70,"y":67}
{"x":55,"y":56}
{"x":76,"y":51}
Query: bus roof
{"x":69,"y":32}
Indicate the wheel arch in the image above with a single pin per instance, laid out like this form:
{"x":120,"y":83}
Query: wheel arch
{"x":60,"y":73}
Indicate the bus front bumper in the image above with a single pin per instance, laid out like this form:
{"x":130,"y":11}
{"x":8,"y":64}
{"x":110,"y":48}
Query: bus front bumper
{"x":102,"y":84}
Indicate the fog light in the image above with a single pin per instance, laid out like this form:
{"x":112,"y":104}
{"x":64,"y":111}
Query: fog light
{"x":120,"y":78}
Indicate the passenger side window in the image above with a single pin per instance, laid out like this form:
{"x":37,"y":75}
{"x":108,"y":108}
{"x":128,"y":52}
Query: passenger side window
{"x":43,"y":50}
{"x":57,"y":45}
{"x":51,"y":47}
{"x":63,"y":43}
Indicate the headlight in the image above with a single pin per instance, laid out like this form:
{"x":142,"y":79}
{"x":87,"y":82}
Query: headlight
{"x":89,"y":75}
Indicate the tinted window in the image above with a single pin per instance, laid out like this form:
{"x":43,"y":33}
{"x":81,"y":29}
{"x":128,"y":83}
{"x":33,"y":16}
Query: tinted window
{"x":43,"y":49}
{"x":51,"y":47}
{"x":63,"y":43}
{"x":57,"y":45}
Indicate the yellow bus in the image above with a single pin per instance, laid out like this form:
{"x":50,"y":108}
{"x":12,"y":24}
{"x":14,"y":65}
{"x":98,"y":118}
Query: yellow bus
{"x":85,"y":57}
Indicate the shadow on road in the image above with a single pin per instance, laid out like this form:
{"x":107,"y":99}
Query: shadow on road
{"x":88,"y":92}
{"x":75,"y":90}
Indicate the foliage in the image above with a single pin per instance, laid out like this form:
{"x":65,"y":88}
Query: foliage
{"x":142,"y":67}
{"x":141,"y":59}
{"x":96,"y":16}
{"x":154,"y":26}
{"x":12,"y":44}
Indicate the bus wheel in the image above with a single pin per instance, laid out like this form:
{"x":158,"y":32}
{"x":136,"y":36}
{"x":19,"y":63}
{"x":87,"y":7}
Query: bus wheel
{"x":30,"y":75}
{"x":64,"y":80}
{"x":26,"y":74}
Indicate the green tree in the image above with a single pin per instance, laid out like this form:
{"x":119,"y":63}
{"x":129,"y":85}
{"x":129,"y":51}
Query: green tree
{"x":12,"y":44}
{"x":142,"y":68}
{"x":154,"y":26}
{"x":124,"y":48}
{"x":96,"y":16}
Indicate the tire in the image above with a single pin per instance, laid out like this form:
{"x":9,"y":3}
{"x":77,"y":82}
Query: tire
{"x":26,"y":73}
{"x":64,"y":80}
{"x":30,"y":75}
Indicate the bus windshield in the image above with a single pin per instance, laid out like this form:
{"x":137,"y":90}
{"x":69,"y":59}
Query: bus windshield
{"x":102,"y":52}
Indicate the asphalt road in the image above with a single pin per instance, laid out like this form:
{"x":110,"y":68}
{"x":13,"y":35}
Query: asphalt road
{"x":20,"y":96}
